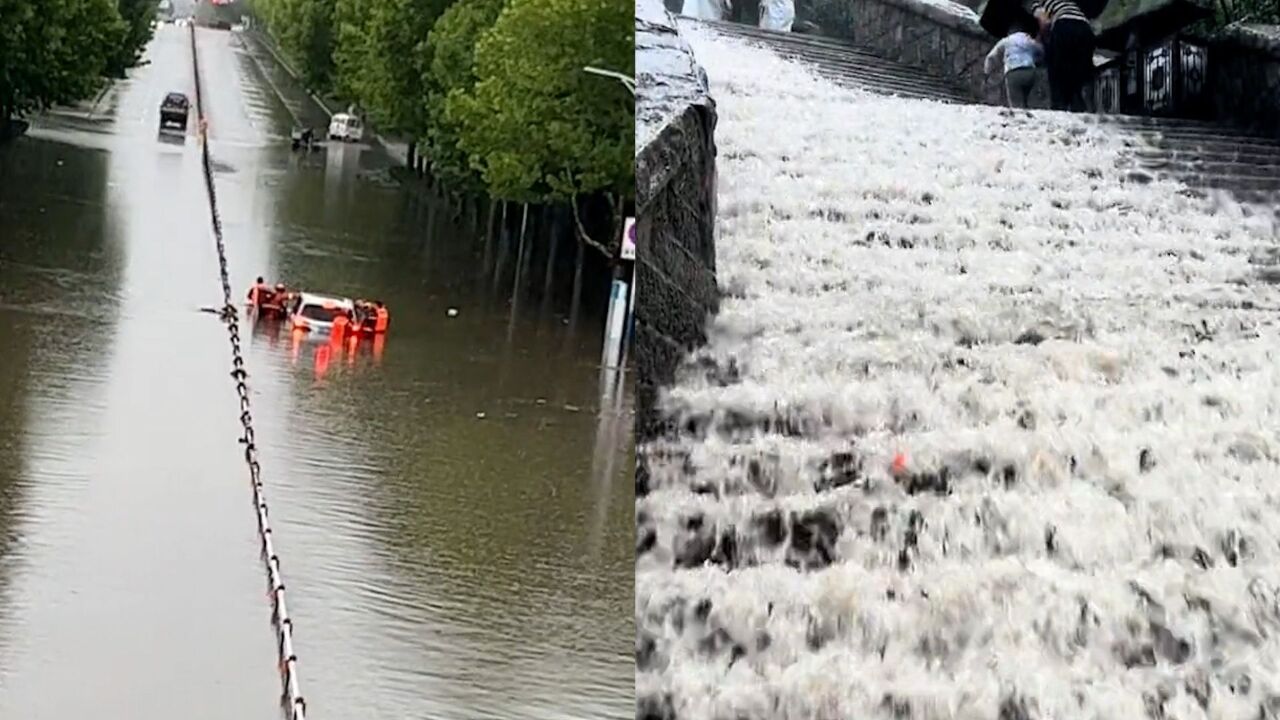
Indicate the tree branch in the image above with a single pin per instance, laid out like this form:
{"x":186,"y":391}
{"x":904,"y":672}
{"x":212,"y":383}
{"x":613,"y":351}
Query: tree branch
{"x":582,"y":230}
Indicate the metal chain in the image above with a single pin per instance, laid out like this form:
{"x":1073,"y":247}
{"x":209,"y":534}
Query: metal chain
{"x":294,"y":705}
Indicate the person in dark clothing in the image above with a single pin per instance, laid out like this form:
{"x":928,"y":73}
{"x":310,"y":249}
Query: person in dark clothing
{"x":1069,"y":52}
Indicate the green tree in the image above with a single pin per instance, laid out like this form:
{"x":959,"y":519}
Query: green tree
{"x":536,"y":125}
{"x":452,"y":75}
{"x":383,"y":57}
{"x":54,"y":51}
{"x":351,"y":45}
{"x":305,"y":31}
{"x":137,"y":16}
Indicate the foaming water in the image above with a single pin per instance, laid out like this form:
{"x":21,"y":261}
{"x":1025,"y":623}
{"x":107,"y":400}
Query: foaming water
{"x":982,"y":429}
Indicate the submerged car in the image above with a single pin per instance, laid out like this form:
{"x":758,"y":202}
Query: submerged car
{"x":173,"y":111}
{"x":316,"y":313}
{"x":346,"y":127}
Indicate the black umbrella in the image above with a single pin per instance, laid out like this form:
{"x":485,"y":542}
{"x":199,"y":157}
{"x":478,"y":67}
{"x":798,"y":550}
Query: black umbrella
{"x":1001,"y":16}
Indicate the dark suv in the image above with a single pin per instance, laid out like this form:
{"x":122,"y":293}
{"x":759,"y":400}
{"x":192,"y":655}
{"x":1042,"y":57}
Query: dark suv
{"x":173,"y":111}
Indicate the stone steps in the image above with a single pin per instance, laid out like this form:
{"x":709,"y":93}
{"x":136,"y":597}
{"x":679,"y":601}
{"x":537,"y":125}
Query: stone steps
{"x":1190,"y":156}
{"x":845,"y":63}
{"x":1201,"y":154}
{"x":872,"y":78}
{"x":1164,"y":163}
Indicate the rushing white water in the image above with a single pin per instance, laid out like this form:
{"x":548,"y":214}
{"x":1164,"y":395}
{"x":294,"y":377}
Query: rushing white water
{"x":1076,"y":374}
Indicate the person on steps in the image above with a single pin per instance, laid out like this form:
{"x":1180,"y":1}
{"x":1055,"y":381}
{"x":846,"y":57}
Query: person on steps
{"x":1021,"y":54}
{"x":1069,"y":55}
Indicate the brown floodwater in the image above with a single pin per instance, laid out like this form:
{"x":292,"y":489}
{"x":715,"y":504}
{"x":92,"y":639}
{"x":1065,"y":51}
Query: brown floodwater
{"x":452,"y":506}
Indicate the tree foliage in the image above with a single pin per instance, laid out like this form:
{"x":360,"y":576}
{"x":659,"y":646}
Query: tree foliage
{"x":57,"y":51}
{"x":305,"y":31}
{"x":494,"y":91}
{"x":536,"y":125}
{"x":1226,"y":12}
{"x":451,"y":77}
{"x":137,"y":16}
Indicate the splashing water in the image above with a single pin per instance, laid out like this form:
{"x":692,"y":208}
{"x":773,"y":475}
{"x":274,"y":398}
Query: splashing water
{"x":983,"y":429}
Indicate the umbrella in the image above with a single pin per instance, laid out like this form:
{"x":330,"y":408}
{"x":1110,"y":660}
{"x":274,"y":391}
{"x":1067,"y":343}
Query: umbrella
{"x":1000,"y":16}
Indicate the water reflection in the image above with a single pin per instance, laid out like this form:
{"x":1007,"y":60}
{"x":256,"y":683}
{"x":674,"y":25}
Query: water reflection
{"x":449,"y":498}
{"x":60,"y":271}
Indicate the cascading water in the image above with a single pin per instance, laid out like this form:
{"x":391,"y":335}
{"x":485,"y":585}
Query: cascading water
{"x":985,"y":428}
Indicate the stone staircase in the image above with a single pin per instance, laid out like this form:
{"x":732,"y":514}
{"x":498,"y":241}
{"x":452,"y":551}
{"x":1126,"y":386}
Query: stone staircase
{"x":1203,"y":155}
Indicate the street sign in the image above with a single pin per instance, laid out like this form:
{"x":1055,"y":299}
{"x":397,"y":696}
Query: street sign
{"x":629,"y":239}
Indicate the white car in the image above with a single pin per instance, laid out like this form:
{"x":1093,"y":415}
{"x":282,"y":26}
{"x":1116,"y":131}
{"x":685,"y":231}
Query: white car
{"x":316,"y":313}
{"x":346,"y":127}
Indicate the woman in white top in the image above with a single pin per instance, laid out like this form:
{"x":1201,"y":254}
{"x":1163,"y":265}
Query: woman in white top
{"x":1021,"y":55}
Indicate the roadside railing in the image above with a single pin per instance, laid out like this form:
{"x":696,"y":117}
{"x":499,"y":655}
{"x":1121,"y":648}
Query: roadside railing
{"x":294,"y":705}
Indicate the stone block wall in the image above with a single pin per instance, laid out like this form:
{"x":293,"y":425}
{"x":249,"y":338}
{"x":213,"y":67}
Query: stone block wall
{"x":1244,"y":77}
{"x":675,"y":214}
{"x":940,"y":37}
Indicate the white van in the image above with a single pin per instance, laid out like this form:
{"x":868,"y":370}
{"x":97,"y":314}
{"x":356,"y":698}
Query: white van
{"x":315,"y":313}
{"x":346,"y":127}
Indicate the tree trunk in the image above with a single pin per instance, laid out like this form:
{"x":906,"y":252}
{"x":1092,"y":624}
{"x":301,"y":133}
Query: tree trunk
{"x":515,"y":285}
{"x":488,"y":243}
{"x":576,"y":298}
{"x":547,"y":292}
{"x":500,"y":265}
{"x":524,"y":225}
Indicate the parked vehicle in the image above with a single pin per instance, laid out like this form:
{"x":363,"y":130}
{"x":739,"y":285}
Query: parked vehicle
{"x":173,"y":111}
{"x":346,"y":127}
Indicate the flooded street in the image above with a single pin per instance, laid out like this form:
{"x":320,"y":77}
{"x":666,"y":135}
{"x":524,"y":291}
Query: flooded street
{"x":451,"y":506}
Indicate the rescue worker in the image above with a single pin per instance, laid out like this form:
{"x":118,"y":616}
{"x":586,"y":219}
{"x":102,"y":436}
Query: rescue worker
{"x":340,"y":325}
{"x":381,"y":317}
{"x":255,"y":292}
{"x":279,"y":297}
{"x":363,"y":314}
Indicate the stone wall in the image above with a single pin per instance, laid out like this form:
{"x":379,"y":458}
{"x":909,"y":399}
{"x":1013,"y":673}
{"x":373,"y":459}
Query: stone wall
{"x":938,"y":36}
{"x":1244,"y":77}
{"x":675,"y":214}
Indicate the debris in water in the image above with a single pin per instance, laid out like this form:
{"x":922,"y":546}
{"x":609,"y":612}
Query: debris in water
{"x":452,"y":312}
{"x":480,"y":416}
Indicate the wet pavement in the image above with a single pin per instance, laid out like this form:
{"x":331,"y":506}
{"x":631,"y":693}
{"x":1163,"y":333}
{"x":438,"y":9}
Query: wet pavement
{"x":449,"y":505}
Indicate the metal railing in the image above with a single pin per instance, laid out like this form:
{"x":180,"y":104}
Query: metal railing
{"x":294,"y":705}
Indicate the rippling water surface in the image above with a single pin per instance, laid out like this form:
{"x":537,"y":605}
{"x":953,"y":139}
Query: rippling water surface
{"x":450,"y":504}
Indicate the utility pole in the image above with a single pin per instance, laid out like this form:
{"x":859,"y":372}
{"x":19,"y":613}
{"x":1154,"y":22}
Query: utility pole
{"x":622,"y":293}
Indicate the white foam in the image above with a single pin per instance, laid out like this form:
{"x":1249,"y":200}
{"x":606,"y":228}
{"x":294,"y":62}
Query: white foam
{"x":879,"y":257}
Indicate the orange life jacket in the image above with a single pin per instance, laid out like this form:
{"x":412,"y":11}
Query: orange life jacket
{"x":255,"y":293}
{"x":381,"y":319}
